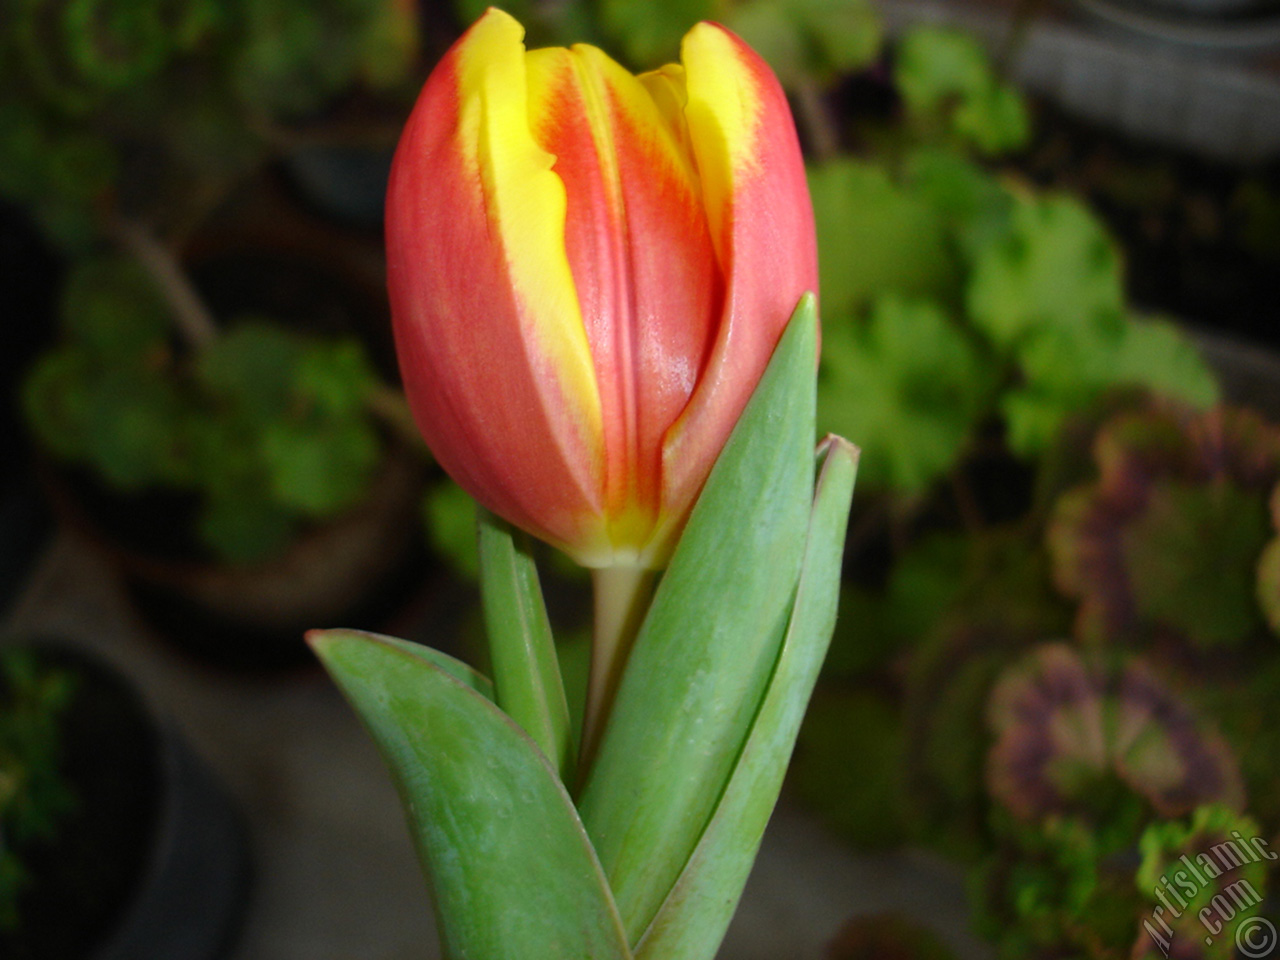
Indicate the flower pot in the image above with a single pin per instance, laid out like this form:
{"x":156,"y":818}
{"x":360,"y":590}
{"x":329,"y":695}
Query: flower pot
{"x":26,"y":285}
{"x":346,"y":183}
{"x":152,"y":861}
{"x":1229,"y":25}
{"x":362,"y":568}
{"x":358,"y":568}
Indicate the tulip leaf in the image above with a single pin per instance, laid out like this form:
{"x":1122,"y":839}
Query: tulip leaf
{"x":513,"y":873}
{"x":708,"y":645}
{"x":526,"y":671}
{"x":697,"y":912}
{"x":464,"y":673}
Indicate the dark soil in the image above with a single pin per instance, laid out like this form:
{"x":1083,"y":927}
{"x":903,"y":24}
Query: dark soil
{"x":247,"y":648}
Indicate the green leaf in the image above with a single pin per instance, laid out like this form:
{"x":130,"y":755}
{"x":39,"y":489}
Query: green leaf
{"x":846,"y":35}
{"x":55,"y":401}
{"x":936,"y":66}
{"x":1268,"y":585}
{"x":131,"y":427}
{"x":1063,"y":371}
{"x":908,"y":387}
{"x":1192,"y":560}
{"x":123,"y":418}
{"x":946,"y":78}
{"x":115,"y":48}
{"x":336,"y":377}
{"x":319,"y":469}
{"x":874,"y":237}
{"x":1066,"y":369}
{"x":388,"y":44}
{"x":512,"y":871}
{"x":1033,"y":418}
{"x":1157,"y":355}
{"x":223,"y":459}
{"x":522,"y":653}
{"x":450,"y":517}
{"x":253,"y":365}
{"x":771,"y":31}
{"x":994,"y":120}
{"x":976,"y":206}
{"x":810,"y":40}
{"x":110,"y":307}
{"x":1055,"y":268}
{"x":695,"y":915}
{"x":464,"y":673}
{"x":707,"y":647}
{"x":244,"y":526}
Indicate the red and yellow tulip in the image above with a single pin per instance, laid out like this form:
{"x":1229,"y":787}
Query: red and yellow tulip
{"x":589,"y":271}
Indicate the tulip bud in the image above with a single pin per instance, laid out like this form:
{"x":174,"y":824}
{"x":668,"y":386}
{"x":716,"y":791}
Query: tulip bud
{"x":589,"y":271}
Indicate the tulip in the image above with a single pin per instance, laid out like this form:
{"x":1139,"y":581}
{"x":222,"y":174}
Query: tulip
{"x":588,"y":272}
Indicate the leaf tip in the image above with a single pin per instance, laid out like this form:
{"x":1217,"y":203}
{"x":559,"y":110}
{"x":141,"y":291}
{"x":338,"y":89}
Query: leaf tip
{"x":324,"y":643}
{"x":834,"y":445}
{"x":319,"y":640}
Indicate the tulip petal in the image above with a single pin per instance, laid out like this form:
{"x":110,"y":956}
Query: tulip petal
{"x":486,"y":314}
{"x":757,"y":203}
{"x":641,"y":256}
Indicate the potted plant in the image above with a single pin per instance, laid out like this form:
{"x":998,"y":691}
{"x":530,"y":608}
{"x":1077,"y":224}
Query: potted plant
{"x":115,"y":840}
{"x":133,"y":142}
{"x":218,"y":468}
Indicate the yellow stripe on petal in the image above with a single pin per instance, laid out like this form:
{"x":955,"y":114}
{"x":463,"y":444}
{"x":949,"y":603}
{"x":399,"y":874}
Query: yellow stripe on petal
{"x":667,"y":90}
{"x":526,"y":205}
{"x":640,"y":255}
{"x":724,"y":110}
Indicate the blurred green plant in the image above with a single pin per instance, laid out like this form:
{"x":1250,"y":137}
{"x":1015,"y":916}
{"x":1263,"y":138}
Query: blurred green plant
{"x":952,"y":295}
{"x":34,"y":795}
{"x":1091,"y":763}
{"x":969,"y":319}
{"x":148,"y":110}
{"x":269,"y":427}
{"x":1018,"y":316}
{"x":1105,"y":745}
{"x":849,"y":769}
{"x":1168,"y":541}
{"x":1192,"y":867}
{"x":449,"y":519}
{"x":1053,"y":890}
{"x":123,"y":127}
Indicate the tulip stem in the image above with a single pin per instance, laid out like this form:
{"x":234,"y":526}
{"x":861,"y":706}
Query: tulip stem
{"x":621,"y":599}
